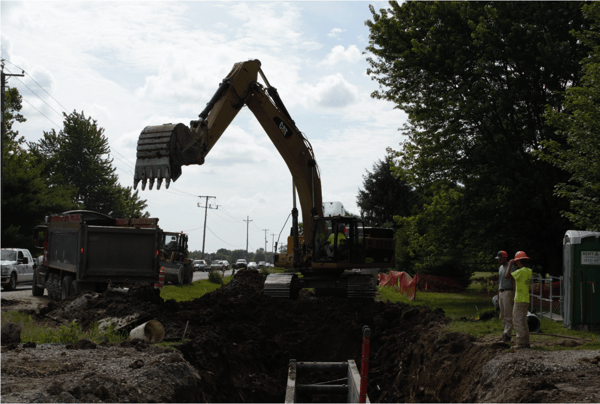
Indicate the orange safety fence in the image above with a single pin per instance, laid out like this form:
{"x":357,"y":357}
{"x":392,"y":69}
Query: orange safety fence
{"x":405,"y":284}
{"x":546,"y":289}
{"x":401,"y":281}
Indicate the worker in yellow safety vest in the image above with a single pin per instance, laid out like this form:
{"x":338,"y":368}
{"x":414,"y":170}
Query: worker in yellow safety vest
{"x":522,"y":277}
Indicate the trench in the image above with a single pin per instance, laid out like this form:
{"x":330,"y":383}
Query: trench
{"x":242,"y":342}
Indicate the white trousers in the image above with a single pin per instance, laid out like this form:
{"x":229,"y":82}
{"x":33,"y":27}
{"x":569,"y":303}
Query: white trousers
{"x":506,"y":303}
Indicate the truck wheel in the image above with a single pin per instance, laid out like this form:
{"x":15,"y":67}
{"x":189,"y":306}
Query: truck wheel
{"x":188,"y":274}
{"x":67,"y":287}
{"x":180,"y":276}
{"x":12,"y":284}
{"x":35,"y":289}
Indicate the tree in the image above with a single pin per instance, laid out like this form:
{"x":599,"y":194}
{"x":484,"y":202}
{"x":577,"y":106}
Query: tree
{"x":579,"y":123}
{"x":384,"y":195}
{"x":259,"y":255}
{"x":26,"y":196}
{"x":475,"y":79}
{"x":78,"y":156}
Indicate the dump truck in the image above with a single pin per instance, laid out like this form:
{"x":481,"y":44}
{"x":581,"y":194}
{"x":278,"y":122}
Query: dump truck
{"x":86,"y":250}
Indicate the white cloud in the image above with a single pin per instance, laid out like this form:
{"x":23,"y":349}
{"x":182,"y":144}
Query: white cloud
{"x":339,"y":55}
{"x":131,"y":64}
{"x":330,"y":92}
{"x":335,"y":33}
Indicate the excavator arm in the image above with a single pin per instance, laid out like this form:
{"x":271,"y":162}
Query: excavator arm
{"x":163,"y":149}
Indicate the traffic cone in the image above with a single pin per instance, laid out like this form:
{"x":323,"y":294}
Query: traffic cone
{"x":161,"y":279}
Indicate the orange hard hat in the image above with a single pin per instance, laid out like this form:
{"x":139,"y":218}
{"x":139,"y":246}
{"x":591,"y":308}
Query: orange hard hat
{"x":520,"y":255}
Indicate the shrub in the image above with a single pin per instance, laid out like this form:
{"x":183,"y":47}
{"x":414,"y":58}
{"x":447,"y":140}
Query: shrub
{"x":215,"y":277}
{"x":265,"y":271}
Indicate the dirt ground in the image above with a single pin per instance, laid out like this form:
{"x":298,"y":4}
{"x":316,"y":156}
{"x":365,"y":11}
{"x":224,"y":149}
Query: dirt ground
{"x":240,"y":344}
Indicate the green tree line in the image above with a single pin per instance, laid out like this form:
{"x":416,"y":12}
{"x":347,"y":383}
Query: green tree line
{"x":502,"y":149}
{"x":65,"y":170}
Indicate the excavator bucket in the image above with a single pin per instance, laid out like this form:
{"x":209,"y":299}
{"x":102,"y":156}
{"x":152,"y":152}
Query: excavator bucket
{"x":160,"y":154}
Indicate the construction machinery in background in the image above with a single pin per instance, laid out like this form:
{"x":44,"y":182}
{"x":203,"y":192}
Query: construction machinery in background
{"x":173,"y":257}
{"x":331,"y":247}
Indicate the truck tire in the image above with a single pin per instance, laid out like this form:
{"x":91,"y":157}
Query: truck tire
{"x":188,"y":274}
{"x":35,"y":289}
{"x":66,"y":287}
{"x":12,"y":284}
{"x":180,"y":276}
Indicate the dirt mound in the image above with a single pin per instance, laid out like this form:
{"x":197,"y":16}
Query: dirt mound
{"x":140,"y":301}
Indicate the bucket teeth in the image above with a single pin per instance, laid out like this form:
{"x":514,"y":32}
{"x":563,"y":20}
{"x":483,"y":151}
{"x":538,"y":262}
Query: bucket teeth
{"x":153,"y":162}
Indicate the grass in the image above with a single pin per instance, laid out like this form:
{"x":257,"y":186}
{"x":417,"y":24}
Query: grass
{"x":72,"y":333}
{"x":466,"y":307}
{"x":189,"y":292}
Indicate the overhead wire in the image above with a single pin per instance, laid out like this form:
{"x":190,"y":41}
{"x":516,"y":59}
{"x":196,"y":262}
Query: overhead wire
{"x":126,"y":160}
{"x":23,"y":70}
{"x":213,"y":233}
{"x":41,"y":113}
{"x":33,"y":92}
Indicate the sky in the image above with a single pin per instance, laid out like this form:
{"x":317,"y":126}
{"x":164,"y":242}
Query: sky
{"x":133,"y":64}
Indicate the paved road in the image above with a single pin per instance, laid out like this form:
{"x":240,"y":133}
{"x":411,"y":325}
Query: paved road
{"x":204,"y":275}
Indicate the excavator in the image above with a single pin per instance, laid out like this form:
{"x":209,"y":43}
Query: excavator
{"x":332,"y":249}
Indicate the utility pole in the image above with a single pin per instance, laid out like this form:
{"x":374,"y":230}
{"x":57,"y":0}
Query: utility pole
{"x":265,"y":230}
{"x":3,"y":79}
{"x":206,"y":207}
{"x":273,"y":246}
{"x":247,"y":230}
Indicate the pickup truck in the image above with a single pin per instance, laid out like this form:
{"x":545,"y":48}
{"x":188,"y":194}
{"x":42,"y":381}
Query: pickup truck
{"x":17,"y":267}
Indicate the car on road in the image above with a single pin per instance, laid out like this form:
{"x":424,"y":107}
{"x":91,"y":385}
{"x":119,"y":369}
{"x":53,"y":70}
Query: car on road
{"x":225,"y":265}
{"x":17,"y":267}
{"x":252,"y":265}
{"x":199,"y":265}
{"x":216,"y":265}
{"x":241,"y":263}
{"x":261,"y":264}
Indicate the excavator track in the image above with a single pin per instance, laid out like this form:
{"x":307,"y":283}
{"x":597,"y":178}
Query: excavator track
{"x":361,"y":287}
{"x":279,"y":285}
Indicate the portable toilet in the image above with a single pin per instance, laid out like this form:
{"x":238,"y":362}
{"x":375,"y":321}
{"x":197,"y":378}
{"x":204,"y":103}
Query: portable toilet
{"x":581,"y":277}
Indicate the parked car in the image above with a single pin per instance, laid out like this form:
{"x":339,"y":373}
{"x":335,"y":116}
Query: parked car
{"x":199,"y":265}
{"x":216,"y":265}
{"x":261,"y":264}
{"x":225,"y":265}
{"x":241,"y":263}
{"x":252,"y":265}
{"x":17,"y":267}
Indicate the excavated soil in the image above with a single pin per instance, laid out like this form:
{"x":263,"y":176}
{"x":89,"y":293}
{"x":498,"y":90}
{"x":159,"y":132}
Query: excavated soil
{"x":240,"y":344}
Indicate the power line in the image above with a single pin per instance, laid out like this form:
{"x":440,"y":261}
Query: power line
{"x":126,"y":160}
{"x":4,"y":60}
{"x":232,"y":245}
{"x":41,"y":113}
{"x":33,"y":92}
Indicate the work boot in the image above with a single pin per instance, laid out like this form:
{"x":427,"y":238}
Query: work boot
{"x":524,"y":346}
{"x":505,"y":338}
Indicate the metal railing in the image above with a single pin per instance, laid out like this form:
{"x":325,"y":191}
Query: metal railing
{"x":550,"y":280}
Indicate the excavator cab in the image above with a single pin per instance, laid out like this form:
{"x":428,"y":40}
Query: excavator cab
{"x":339,"y":240}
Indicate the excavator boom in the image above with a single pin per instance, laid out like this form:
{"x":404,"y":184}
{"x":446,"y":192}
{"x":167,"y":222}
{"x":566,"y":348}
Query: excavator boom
{"x":331,"y":247}
{"x":163,"y":149}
